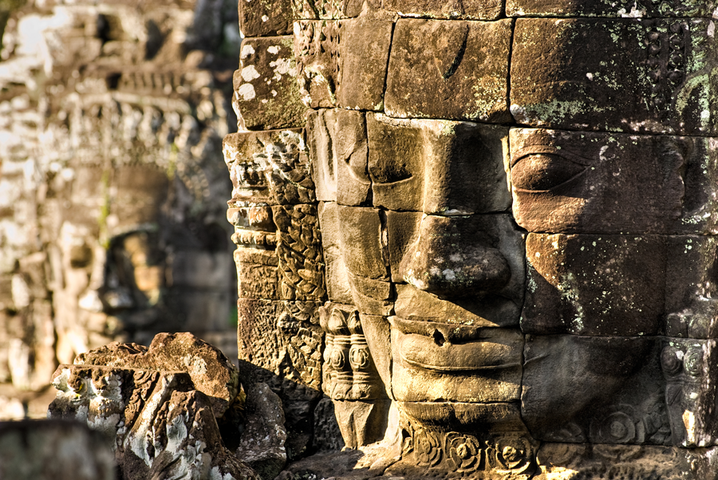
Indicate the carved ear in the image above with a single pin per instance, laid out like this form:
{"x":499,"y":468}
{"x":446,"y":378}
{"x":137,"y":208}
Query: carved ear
{"x":450,"y":51}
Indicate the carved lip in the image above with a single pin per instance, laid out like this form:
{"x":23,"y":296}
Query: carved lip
{"x":454,"y":348}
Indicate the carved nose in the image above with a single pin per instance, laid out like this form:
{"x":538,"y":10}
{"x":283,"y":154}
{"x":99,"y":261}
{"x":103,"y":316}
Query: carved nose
{"x":105,"y":292}
{"x":452,"y":259}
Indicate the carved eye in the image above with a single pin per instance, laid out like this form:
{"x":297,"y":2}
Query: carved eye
{"x":80,"y":256}
{"x":543,"y":171}
{"x":390,"y":171}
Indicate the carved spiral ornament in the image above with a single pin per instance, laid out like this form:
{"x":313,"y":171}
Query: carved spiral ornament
{"x":359,"y":357}
{"x":427,"y":448}
{"x":670,"y":362}
{"x":693,"y":362}
{"x":336,"y":358}
{"x":513,"y":453}
{"x":464,"y":451}
{"x":619,"y":427}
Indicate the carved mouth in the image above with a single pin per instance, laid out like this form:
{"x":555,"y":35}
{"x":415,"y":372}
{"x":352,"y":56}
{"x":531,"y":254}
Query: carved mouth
{"x":456,"y":348}
{"x":433,"y":353}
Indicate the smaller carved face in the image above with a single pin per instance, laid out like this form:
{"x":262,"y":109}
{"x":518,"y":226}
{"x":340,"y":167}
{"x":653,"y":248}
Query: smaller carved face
{"x":112,"y":260}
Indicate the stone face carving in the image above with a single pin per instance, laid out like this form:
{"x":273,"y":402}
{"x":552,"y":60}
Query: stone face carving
{"x":524,"y":226}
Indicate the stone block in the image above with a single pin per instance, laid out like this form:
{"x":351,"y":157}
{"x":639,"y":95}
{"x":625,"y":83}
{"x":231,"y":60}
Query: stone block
{"x":264,"y":19}
{"x":691,"y":307}
{"x":361,"y":232}
{"x":266,"y":93}
{"x":437,"y":166}
{"x":600,"y":390}
{"x":454,"y":9}
{"x":396,"y":162}
{"x":581,"y":84}
{"x":610,"y":8}
{"x":338,"y":151}
{"x":480,"y":310}
{"x":594,"y":284}
{"x":329,"y":9}
{"x":493,"y":417}
{"x":402,"y":230}
{"x":316,"y":48}
{"x":257,"y":273}
{"x":377,"y":331}
{"x":575,"y":182}
{"x":365,"y":44}
{"x":336,"y":278}
{"x":371,"y":296}
{"x":343,"y":63}
{"x":456,"y":70}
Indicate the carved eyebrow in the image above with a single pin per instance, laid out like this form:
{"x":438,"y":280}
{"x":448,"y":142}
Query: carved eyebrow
{"x":552,"y":150}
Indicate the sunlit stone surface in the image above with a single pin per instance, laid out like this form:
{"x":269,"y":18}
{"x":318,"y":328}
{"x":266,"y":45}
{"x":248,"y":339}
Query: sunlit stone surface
{"x":515,"y":208}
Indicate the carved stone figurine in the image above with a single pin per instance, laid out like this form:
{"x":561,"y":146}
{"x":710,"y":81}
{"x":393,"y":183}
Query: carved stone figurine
{"x":519,"y":200}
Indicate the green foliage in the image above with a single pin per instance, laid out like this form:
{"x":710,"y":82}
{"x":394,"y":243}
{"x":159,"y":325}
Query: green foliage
{"x":233,"y":317}
{"x":105,"y":209}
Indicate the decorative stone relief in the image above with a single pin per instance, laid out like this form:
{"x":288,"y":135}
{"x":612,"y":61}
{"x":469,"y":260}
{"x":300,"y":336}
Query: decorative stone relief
{"x":466,"y":456}
{"x":281,"y":271}
{"x":350,"y":378}
{"x":162,"y":406}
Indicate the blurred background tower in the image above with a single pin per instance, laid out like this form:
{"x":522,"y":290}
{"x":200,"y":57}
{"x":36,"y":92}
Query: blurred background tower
{"x":112,"y":185}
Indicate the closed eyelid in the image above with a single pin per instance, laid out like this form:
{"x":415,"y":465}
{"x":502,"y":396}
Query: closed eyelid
{"x":542,"y":172}
{"x":390,"y":174}
{"x":552,"y":150}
